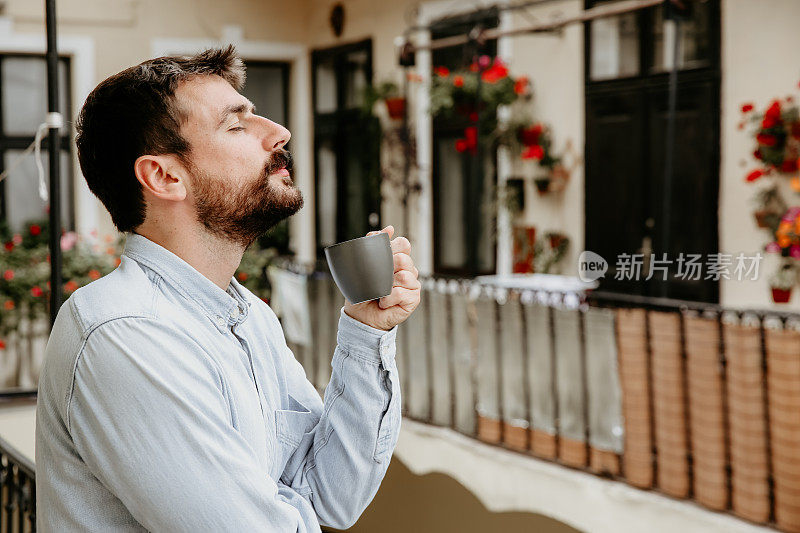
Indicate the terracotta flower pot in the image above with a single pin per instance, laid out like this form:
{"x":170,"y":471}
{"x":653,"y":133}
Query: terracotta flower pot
{"x":761,"y":217}
{"x":396,"y":107}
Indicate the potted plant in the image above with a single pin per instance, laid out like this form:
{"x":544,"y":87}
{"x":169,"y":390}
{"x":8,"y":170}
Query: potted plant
{"x":390,"y":94}
{"x":782,"y":282}
{"x":475,"y":94}
{"x":549,"y":251}
{"x":770,"y":207}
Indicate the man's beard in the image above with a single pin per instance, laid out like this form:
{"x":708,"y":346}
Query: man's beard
{"x":244,"y":215}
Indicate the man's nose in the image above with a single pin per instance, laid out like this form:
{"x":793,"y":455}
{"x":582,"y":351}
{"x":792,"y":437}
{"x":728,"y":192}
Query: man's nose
{"x":275,"y":135}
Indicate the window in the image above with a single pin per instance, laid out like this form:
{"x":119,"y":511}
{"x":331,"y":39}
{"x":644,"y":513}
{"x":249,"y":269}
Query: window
{"x":267,"y":86}
{"x":346,"y":146}
{"x":638,"y":42}
{"x":23,"y":106}
{"x":463,"y":220}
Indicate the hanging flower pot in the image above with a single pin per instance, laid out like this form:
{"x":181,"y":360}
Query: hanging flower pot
{"x":782,"y":282}
{"x":781,"y":296}
{"x":761,"y":218}
{"x":396,"y":107}
{"x":542,"y":184}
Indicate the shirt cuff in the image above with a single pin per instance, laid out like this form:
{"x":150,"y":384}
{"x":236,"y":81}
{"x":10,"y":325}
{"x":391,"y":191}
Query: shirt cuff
{"x":374,"y":344}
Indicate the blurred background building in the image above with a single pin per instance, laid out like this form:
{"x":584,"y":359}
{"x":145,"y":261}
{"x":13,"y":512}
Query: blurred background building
{"x":533,"y":399}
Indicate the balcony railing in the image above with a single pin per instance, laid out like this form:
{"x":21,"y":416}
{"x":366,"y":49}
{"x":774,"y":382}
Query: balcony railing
{"x":17,"y":486}
{"x":695,"y":401}
{"x":692,"y":400}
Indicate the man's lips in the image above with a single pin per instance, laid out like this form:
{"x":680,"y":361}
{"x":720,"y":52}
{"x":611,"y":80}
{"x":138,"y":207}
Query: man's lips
{"x":282,"y":172}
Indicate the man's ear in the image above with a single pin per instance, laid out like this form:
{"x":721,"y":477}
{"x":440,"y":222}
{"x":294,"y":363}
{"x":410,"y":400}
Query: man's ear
{"x":161,"y":176}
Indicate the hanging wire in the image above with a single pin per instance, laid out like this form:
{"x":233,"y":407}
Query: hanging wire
{"x":54,"y":120}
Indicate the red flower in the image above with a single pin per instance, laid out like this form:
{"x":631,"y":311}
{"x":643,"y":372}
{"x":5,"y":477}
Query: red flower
{"x":473,"y":116}
{"x":521,"y":85}
{"x":2,"y":344}
{"x":533,"y":152}
{"x":530,"y":136}
{"x":754,"y":175}
{"x":8,"y":275}
{"x":70,"y":286}
{"x":471,"y":135}
{"x":772,"y":117}
{"x":9,"y":246}
{"x":494,"y":73}
{"x":473,"y":67}
{"x":442,"y":72}
{"x":766,"y":139}
{"x":35,"y":229}
{"x":458,"y":81}
{"x":36,"y":291}
{"x":461,"y":145}
{"x":94,"y":274}
{"x":790,"y":165}
{"x":242,"y":276}
{"x":746,"y":108}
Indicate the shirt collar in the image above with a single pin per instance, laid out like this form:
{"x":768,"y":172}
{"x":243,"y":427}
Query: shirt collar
{"x":224,"y":308}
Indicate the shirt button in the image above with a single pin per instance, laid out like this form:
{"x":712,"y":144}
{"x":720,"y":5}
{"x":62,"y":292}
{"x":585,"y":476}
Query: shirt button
{"x":221,"y":321}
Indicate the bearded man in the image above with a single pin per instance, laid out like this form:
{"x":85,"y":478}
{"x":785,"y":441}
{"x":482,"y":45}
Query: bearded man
{"x":168,"y":399}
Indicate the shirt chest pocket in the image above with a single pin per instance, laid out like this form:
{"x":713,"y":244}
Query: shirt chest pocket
{"x":294,"y":428}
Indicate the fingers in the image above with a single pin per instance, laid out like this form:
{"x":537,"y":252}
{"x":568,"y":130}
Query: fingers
{"x":403,"y":261}
{"x":405,"y":298}
{"x":387,"y":229}
{"x":401,"y":244}
{"x":406,"y":279}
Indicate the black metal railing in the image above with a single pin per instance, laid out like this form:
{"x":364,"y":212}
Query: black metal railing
{"x":17,"y":488}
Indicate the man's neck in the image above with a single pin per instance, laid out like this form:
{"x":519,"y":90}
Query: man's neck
{"x":215,"y":258}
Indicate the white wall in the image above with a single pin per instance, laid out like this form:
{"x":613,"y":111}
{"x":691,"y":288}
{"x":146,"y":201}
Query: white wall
{"x":760,"y":42}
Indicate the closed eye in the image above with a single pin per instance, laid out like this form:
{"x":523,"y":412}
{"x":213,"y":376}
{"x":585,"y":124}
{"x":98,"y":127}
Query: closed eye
{"x":238,"y":128}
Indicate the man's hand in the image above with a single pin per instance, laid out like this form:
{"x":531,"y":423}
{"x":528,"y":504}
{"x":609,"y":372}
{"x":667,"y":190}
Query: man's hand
{"x":387,"y":312}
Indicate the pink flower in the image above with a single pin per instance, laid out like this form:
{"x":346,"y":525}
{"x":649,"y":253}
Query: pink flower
{"x":773,"y":247}
{"x":794,"y":251}
{"x":68,"y":240}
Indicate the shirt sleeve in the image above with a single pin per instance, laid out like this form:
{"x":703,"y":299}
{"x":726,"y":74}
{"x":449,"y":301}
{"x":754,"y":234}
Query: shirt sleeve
{"x":148,"y":416}
{"x":354,"y":439}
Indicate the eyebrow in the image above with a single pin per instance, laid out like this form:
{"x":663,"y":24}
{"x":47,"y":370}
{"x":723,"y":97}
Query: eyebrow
{"x":235,"y":109}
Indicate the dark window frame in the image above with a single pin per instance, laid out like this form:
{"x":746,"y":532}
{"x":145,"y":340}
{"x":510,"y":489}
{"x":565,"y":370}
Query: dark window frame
{"x":272,"y":238}
{"x":21,"y":142}
{"x":645,"y":83}
{"x":446,"y":127}
{"x":329,"y":125}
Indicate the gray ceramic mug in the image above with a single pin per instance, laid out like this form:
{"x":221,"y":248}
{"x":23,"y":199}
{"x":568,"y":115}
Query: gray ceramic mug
{"x":362,"y":268}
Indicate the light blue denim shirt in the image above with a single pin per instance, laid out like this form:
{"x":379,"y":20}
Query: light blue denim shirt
{"x":168,"y":404}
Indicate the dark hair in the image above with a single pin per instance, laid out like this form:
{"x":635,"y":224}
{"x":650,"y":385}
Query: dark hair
{"x":134,"y":113}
